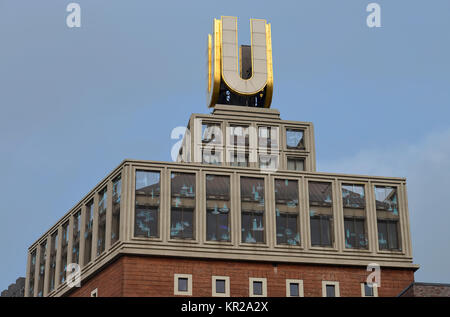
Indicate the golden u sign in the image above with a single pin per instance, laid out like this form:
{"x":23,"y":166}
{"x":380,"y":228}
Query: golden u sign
{"x":241,"y":77}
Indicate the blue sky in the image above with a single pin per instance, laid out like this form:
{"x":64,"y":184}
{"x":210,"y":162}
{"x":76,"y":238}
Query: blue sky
{"x":75,"y":102}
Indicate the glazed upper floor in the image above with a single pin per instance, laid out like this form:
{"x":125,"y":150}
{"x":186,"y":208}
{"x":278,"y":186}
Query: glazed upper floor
{"x":207,"y":211}
{"x":248,"y":137}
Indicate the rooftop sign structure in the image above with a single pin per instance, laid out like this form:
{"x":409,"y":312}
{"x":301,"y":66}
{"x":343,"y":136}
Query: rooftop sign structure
{"x":244,"y":76}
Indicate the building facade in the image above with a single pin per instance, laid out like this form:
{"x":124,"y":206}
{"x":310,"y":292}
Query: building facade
{"x":242,"y":212}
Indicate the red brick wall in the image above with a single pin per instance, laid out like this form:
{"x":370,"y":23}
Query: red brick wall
{"x":108,"y":282}
{"x":427,"y":290}
{"x":154,"y":276}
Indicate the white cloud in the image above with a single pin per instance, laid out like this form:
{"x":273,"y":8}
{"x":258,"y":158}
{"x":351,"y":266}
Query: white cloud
{"x":426,"y":165}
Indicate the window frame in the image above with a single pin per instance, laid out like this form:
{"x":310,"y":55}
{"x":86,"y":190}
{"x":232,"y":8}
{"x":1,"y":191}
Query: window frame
{"x":265,"y":215}
{"x":263,"y":280}
{"x":300,"y":215}
{"x":333,"y":236}
{"x":212,"y":123}
{"x":305,"y":143}
{"x":269,"y":144}
{"x":197,"y":210}
{"x":231,"y":216}
{"x":300,"y":287}
{"x":404,"y":239}
{"x":336,"y":288}
{"x":374,"y":289}
{"x":214,"y":293}
{"x":290,"y":157}
{"x":162,"y":204}
{"x":189,"y":284}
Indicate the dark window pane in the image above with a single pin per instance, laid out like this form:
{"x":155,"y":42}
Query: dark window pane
{"x":115,"y":219}
{"x":53,"y":248}
{"x":287,"y":211}
{"x":182,"y":284}
{"x":220,"y":286}
{"x":146,"y":223}
{"x":218,"y":208}
{"x":321,"y":231}
{"x":294,"y":289}
{"x":41,"y":277}
{"x":147,"y":193}
{"x":382,"y":235}
{"x":368,"y":291}
{"x":182,"y":223}
{"x":294,"y":164}
{"x":320,"y":194}
{"x":355,"y":236}
{"x":393,"y":235}
{"x":315,"y":231}
{"x":257,"y":288}
{"x":183,"y":205}
{"x":252,"y":209}
{"x":252,"y":227}
{"x":321,"y":213}
{"x":330,"y":291}
{"x":388,"y":235}
{"x":76,"y":237}
{"x":32,"y":274}
{"x":101,"y":234}
{"x":64,"y":251}
{"x":89,"y":219}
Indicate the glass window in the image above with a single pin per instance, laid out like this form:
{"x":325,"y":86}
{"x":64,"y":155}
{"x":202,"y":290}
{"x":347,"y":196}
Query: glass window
{"x":268,"y":162}
{"x":267,"y":137}
{"x":102,"y":201}
{"x":183,"y":205}
{"x":218,"y":208}
{"x":211,"y":133}
{"x":53,"y":249}
{"x":388,"y":219}
{"x":295,"y":164}
{"x":42,"y":260}
{"x":89,"y":219}
{"x":368,"y":291}
{"x":239,"y":159}
{"x":182,"y":284}
{"x":32,"y":274}
{"x":294,"y":289}
{"x":220,"y":286}
{"x":252,"y":209}
{"x":211,"y":156}
{"x":287,"y":212}
{"x":76,"y":238}
{"x":116,"y":197}
{"x":257,"y":288}
{"x":294,"y":139}
{"x":331,"y":290}
{"x":321,"y":214}
{"x":354,"y":205}
{"x":239,"y":135}
{"x":147,"y":193}
{"x":64,"y":247}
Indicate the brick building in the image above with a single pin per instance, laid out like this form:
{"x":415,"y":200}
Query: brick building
{"x":242,"y":212}
{"x":16,"y":289}
{"x":426,"y":290}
